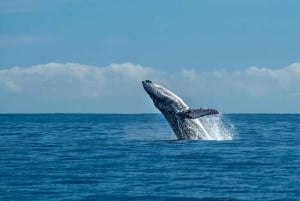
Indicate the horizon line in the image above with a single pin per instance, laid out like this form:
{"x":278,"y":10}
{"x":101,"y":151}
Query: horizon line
{"x":115,"y":113}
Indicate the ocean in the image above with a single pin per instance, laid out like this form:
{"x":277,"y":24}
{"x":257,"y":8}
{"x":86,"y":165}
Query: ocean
{"x":137,"y":157}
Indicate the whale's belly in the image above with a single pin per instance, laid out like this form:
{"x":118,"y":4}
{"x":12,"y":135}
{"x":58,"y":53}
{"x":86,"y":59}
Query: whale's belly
{"x":193,"y":129}
{"x":187,"y":129}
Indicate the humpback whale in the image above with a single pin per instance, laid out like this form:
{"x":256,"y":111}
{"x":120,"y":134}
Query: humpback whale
{"x":184,"y":121}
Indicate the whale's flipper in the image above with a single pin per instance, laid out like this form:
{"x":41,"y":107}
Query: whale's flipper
{"x":196,"y":113}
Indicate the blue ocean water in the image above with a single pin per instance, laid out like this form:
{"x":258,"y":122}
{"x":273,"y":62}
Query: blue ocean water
{"x":137,"y":157}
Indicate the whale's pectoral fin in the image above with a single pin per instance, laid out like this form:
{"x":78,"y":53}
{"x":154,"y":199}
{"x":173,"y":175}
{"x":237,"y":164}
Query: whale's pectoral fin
{"x":196,"y":113}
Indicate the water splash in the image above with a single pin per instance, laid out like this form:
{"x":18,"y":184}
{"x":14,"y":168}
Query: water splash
{"x":218,"y":127}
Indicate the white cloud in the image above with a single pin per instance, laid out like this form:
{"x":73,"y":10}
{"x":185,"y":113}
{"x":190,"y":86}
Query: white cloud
{"x":284,"y":79}
{"x":11,"y":86}
{"x":74,"y":80}
{"x":117,"y":87}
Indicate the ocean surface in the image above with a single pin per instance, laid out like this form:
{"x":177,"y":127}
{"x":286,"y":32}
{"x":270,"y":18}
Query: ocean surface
{"x":137,"y":157}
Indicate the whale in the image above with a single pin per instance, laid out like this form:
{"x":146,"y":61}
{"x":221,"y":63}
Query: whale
{"x":183,"y":120}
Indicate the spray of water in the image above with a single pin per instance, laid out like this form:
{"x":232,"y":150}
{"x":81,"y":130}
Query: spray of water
{"x":218,"y":127}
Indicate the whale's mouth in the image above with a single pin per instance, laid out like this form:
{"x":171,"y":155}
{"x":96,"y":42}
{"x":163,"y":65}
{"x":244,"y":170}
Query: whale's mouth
{"x":146,"y":84}
{"x":150,"y":88}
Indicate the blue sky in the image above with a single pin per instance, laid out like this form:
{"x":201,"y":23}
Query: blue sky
{"x":243,"y":54}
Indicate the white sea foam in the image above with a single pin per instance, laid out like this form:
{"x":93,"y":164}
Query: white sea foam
{"x":218,"y":127}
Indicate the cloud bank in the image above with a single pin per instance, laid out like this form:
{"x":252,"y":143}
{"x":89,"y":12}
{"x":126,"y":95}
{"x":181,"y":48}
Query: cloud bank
{"x":117,"y":88}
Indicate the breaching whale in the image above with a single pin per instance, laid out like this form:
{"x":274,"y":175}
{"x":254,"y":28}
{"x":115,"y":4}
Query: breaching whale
{"x":183,"y":120}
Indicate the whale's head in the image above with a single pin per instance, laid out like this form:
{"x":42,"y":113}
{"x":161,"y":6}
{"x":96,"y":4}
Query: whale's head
{"x":163,"y":99}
